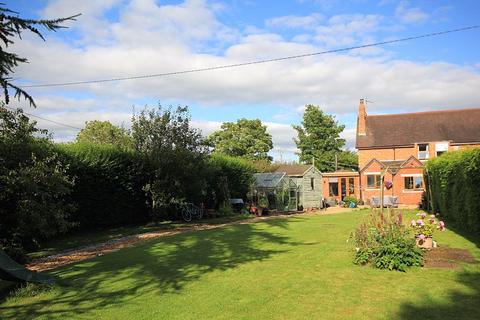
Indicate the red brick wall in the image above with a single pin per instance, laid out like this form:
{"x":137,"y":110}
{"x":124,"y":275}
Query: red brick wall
{"x":404,"y":196}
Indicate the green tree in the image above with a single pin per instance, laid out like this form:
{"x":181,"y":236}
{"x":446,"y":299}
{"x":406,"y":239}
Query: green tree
{"x":11,"y":27}
{"x":319,"y":138}
{"x":33,"y":185}
{"x":245,"y":138}
{"x":176,"y":151}
{"x":347,"y":160}
{"x":104,"y":132}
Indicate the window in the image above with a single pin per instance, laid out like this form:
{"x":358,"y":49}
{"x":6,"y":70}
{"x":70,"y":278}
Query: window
{"x":441,"y":147}
{"x":423,"y":151}
{"x":333,"y":187}
{"x":413,"y":183}
{"x":373,"y":181}
{"x":351,"y":186}
{"x":312,"y":183}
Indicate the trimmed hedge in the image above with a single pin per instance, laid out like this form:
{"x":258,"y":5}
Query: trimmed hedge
{"x":453,"y":187}
{"x":227,"y":177}
{"x":108,"y":184}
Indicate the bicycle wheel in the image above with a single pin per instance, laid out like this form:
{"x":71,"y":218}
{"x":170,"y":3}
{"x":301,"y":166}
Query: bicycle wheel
{"x":186,"y":215}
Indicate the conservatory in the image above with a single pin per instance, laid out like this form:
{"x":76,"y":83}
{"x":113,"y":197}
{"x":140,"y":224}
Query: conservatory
{"x":275,"y":191}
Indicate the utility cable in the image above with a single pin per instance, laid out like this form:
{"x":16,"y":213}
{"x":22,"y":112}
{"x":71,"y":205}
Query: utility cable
{"x":255,"y":62}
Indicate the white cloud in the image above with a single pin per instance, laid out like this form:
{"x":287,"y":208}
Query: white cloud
{"x":292,"y":21}
{"x":346,"y":30}
{"x":150,"y":38}
{"x":408,"y":14}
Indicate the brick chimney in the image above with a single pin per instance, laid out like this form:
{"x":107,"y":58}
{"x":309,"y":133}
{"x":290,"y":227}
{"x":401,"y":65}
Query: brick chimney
{"x":362,"y":118}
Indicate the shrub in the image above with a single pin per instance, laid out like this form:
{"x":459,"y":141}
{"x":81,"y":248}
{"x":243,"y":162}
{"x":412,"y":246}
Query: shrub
{"x":227,"y":177}
{"x":34,"y":186}
{"x":350,"y":199}
{"x":108,"y":184}
{"x":452,"y":182}
{"x":385,"y":242}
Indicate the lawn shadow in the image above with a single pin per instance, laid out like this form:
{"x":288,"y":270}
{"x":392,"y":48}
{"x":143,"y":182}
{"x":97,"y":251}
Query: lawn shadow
{"x":461,"y":305}
{"x":163,"y":266}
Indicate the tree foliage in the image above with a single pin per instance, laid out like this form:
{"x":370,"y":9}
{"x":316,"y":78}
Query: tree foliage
{"x":12,"y":26}
{"x":176,"y":151}
{"x":104,"y":132}
{"x":33,"y":185}
{"x":319,"y":138}
{"x":245,"y":138}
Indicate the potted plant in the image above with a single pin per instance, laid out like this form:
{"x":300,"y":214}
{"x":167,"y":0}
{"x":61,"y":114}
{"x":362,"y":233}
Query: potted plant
{"x":424,"y":229}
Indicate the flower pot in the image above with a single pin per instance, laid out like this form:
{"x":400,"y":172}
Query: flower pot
{"x":426,"y":243}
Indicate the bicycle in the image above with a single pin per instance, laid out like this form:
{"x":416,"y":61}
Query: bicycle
{"x":191,"y":211}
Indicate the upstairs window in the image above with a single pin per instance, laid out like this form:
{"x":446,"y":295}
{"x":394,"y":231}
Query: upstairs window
{"x":441,"y":148}
{"x":423,"y":151}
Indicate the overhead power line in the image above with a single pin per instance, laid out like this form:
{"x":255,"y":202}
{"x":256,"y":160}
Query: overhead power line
{"x":235,"y":65}
{"x":48,"y":120}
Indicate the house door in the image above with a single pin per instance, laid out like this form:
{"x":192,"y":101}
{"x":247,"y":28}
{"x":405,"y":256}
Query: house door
{"x":343,"y":186}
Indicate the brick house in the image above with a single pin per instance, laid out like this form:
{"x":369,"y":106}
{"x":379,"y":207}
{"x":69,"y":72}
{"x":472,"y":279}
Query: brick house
{"x":340,"y":184}
{"x":402,"y":143}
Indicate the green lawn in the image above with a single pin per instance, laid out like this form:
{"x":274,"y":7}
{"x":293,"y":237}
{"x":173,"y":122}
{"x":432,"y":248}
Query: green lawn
{"x":81,"y":239}
{"x":295,"y":268}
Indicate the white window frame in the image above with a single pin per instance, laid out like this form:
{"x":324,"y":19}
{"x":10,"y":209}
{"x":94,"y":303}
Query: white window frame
{"x":423,"y":155}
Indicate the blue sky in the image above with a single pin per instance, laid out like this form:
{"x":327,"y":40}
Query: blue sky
{"x":116,"y":38}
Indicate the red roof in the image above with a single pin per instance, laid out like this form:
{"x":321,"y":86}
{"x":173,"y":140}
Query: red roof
{"x":457,"y":126}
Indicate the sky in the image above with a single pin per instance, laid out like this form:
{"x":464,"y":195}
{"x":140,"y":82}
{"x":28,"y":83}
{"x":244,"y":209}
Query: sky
{"x":121,"y":38}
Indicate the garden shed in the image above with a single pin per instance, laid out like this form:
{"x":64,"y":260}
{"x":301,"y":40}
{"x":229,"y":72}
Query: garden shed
{"x":309,"y":182}
{"x":279,"y":191}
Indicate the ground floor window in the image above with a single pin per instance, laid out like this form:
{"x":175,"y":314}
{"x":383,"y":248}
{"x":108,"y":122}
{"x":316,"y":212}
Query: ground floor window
{"x":351,"y":186}
{"x":413,"y":183}
{"x":373,"y":181}
{"x":333,"y":187}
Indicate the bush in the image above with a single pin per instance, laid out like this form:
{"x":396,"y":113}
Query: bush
{"x":385,"y":242}
{"x":350,"y":199}
{"x":452,"y":182}
{"x":108,"y":184}
{"x":34,"y":186}
{"x":227,"y":177}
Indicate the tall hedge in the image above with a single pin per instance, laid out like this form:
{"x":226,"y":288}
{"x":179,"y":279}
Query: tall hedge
{"x":453,"y":187}
{"x":108,"y":188}
{"x":227,"y":177}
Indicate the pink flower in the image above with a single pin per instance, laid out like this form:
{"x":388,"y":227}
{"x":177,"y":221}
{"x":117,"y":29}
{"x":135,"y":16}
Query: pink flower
{"x":431,"y":220}
{"x":420,"y":222}
{"x":421,"y":236}
{"x":441,"y":226}
{"x":414,"y":223}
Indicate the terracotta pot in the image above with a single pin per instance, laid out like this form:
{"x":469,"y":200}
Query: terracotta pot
{"x":426,"y":243}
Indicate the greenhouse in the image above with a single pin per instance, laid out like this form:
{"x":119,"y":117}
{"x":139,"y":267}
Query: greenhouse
{"x":275,"y":191}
